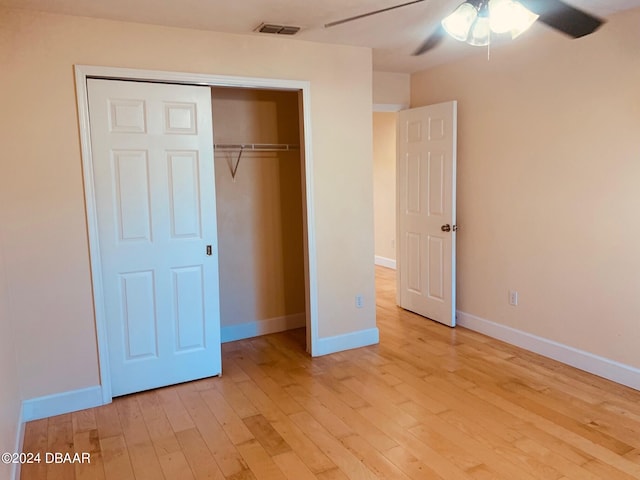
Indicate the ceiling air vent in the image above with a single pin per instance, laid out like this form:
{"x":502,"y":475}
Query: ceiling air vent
{"x":278,"y":29}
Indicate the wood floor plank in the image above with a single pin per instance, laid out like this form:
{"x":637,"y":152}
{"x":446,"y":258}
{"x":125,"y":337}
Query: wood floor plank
{"x":142,"y":452}
{"x":341,"y":456}
{"x":293,"y":467}
{"x":268,"y":437}
{"x":174,"y":409}
{"x":308,"y":451}
{"x":260,"y":462}
{"x":200,"y":459}
{"x":373,"y":459}
{"x":411,"y":465}
{"x":84,"y":420}
{"x":144,"y":461}
{"x":36,"y":437}
{"x":132,"y":421}
{"x":158,"y":425}
{"x":352,"y":417}
{"x":60,"y":441}
{"x":219,"y":444}
{"x":87,"y":441}
{"x":569,"y":437}
{"x":232,"y":424}
{"x":270,"y":387}
{"x":117,"y":463}
{"x":175,"y":466}
{"x":234,"y":396}
{"x":107,"y":421}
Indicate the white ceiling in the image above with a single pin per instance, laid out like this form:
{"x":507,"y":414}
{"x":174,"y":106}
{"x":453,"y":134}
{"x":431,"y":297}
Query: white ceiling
{"x":393,"y":35}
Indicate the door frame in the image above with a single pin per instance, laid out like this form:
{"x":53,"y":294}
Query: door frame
{"x":82,"y":73}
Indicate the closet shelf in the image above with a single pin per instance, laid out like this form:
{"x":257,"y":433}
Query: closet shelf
{"x":258,"y":147}
{"x":254,"y":147}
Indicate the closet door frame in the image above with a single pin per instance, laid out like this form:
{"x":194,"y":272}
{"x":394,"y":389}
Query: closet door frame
{"x":82,"y":73}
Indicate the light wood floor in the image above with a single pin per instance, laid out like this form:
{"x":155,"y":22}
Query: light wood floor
{"x":429,"y":402}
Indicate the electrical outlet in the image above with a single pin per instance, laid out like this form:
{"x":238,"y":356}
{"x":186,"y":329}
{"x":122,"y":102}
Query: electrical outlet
{"x":513,"y":298}
{"x":359,"y":301}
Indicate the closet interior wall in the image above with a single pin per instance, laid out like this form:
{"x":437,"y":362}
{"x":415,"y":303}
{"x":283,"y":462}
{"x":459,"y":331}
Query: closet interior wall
{"x":260,"y":213}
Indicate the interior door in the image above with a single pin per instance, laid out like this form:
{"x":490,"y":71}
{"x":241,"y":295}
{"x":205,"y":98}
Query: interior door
{"x":427,"y":211}
{"x":152,"y":149}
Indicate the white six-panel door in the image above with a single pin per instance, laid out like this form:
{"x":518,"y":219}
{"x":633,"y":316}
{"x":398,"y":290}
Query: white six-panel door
{"x":152,"y":148}
{"x":427,"y":211}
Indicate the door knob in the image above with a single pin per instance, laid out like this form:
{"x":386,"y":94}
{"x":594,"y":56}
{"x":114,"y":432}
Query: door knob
{"x":446,"y":228}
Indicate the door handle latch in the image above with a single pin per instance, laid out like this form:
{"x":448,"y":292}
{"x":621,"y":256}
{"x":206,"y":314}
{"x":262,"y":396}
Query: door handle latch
{"x":209,"y":250}
{"x":446,"y":228}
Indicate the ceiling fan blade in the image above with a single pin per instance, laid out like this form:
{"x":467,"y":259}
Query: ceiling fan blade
{"x":368,"y":14}
{"x":563,"y":17}
{"x":432,"y":41}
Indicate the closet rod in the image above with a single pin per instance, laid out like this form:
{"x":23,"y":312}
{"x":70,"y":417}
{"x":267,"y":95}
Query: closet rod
{"x":261,"y":147}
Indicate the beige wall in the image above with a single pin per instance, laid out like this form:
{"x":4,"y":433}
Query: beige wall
{"x":391,"y":89}
{"x":548,"y":175}
{"x":46,"y":244}
{"x":9,"y":389}
{"x":384,"y":183}
{"x":260,"y":211}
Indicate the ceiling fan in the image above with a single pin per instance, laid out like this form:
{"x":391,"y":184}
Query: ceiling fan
{"x":474,"y":20}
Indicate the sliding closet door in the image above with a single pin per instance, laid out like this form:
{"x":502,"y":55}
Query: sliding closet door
{"x":152,"y":148}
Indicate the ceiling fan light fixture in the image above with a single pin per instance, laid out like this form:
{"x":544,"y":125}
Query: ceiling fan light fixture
{"x":510,"y":16}
{"x":474,"y":20}
{"x":459,"y":23}
{"x":523,"y":18}
{"x":500,"y":12}
{"x":480,"y":33}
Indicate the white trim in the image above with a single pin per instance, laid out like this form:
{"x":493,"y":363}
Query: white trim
{"x":601,"y":366}
{"x":92,"y":227}
{"x":59,"y":403}
{"x":361,"y":338}
{"x":311,"y":264}
{"x":385,"y":262}
{"x":389,"y":107}
{"x":82,"y":72}
{"x":16,"y":470}
{"x":231,"y":333}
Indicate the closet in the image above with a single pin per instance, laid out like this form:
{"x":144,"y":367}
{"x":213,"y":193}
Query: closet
{"x":259,"y":202}
{"x":187,"y":253}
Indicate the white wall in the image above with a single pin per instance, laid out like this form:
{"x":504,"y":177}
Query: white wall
{"x":46,"y":246}
{"x":548,"y":169}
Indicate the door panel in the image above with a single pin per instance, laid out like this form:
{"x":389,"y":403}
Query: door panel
{"x":189,"y":298}
{"x":426,"y":202}
{"x":139,"y":315}
{"x":184,"y":173}
{"x":152,"y":147}
{"x":133,"y":214}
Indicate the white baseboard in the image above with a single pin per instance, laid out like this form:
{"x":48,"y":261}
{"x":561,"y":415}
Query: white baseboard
{"x":231,"y":333}
{"x":385,"y":262}
{"x":601,"y":366}
{"x":16,"y":470}
{"x":59,"y":403}
{"x":362,"y":338}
